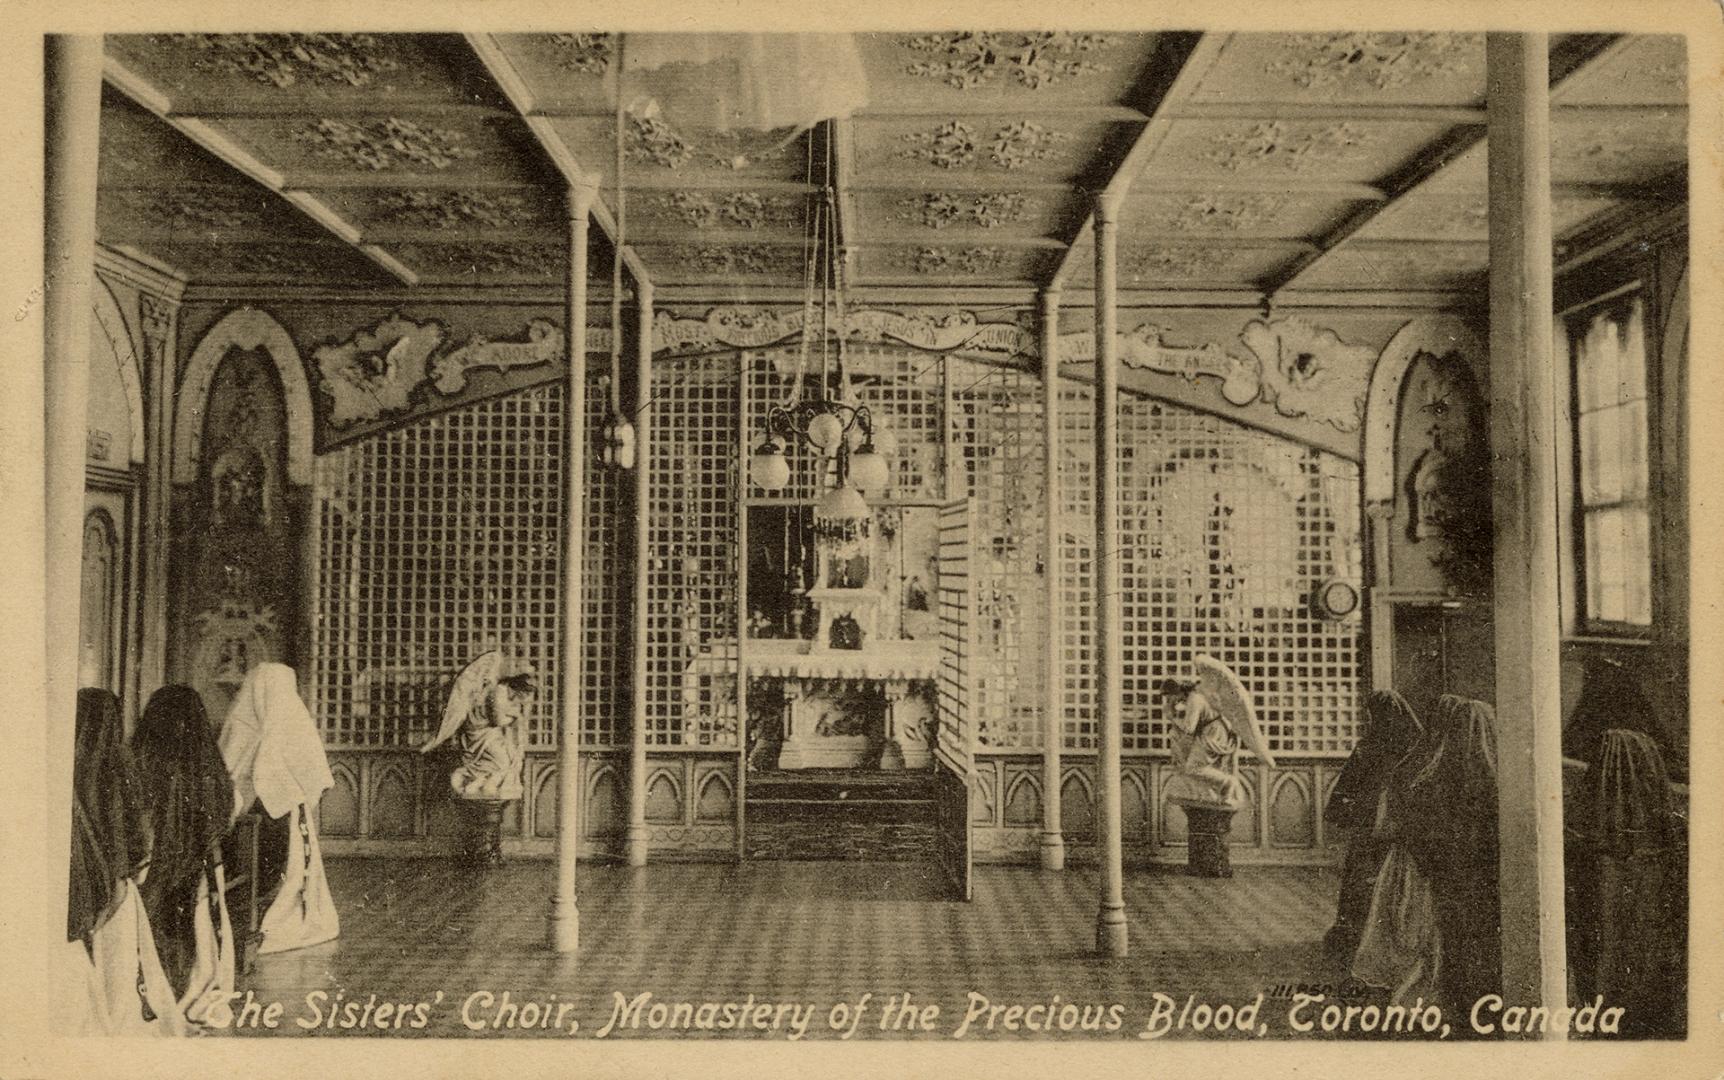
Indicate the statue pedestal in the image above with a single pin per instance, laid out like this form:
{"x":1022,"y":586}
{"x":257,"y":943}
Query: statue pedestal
{"x":479,"y":845}
{"x":1207,"y":826}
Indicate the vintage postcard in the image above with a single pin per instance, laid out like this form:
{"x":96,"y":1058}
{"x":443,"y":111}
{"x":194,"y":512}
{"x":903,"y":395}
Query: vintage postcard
{"x":973,"y":540}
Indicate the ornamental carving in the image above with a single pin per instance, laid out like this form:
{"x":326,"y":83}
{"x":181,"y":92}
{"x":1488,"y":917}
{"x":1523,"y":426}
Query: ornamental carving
{"x":1297,"y":149}
{"x":1229,"y":213}
{"x":1164,"y":263}
{"x":194,"y":209}
{"x":157,"y":316}
{"x":1144,"y":349}
{"x":940,"y":209}
{"x":543,"y":345}
{"x":375,"y":371}
{"x":500,"y":260}
{"x":956,"y":144}
{"x":589,"y":54}
{"x":969,"y":260}
{"x":282,"y":60}
{"x":650,"y":140}
{"x":1307,"y":370}
{"x":735,"y":259}
{"x":1381,"y":61}
{"x":389,"y":143}
{"x":732,"y":210}
{"x":754,"y":328}
{"x":431,"y":209}
{"x":235,"y":636}
{"x":970,"y":59}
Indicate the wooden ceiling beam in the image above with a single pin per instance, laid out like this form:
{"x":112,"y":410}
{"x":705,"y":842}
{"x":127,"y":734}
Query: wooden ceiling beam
{"x":1194,"y":54}
{"x":509,"y":80}
{"x":152,"y":98}
{"x":1431,"y":164}
{"x":1450,"y":115}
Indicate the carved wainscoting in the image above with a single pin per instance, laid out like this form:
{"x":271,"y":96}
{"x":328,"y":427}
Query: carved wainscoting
{"x":397,"y":803}
{"x":1283,"y":828}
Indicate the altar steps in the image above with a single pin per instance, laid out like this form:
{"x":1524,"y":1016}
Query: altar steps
{"x":852,"y":815}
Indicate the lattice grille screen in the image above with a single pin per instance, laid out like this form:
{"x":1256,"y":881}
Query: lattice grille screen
{"x":439,"y":541}
{"x":691,"y":654}
{"x":996,"y":431}
{"x":905,"y":394}
{"x":958,"y":662}
{"x":1077,"y":561}
{"x":1225,"y":532}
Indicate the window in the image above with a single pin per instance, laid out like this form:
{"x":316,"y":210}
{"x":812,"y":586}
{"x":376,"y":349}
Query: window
{"x":1607,"y":343}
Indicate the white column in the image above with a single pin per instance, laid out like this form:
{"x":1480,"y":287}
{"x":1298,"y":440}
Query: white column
{"x":73,"y":82}
{"x":638,"y":843}
{"x":1110,"y":928}
{"x":565,"y":912}
{"x":1523,"y":488}
{"x":1053,"y":687}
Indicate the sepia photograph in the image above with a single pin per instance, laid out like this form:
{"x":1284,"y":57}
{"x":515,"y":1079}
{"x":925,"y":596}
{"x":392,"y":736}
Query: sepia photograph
{"x":910,"y":535}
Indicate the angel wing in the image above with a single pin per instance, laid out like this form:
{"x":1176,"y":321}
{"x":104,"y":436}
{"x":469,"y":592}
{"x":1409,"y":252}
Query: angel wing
{"x":1228,"y":695}
{"x":475,"y":680}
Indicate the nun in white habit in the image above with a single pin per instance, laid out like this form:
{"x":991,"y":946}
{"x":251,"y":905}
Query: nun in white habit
{"x":275,"y":755}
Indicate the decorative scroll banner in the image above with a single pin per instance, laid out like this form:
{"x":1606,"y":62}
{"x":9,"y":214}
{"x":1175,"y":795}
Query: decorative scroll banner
{"x":543,"y":345}
{"x":1143,"y":348}
{"x":375,"y":371}
{"x":1309,"y":371}
{"x":751,"y":328}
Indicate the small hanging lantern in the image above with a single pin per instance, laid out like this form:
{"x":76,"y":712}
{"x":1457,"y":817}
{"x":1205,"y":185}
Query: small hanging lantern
{"x":842,"y":517}
{"x":767,"y":467}
{"x":825,"y":432}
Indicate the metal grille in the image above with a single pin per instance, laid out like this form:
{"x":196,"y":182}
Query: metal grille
{"x":904,"y":392}
{"x":692,"y":569}
{"x":437,"y":542}
{"x":1225,"y":534}
{"x":996,"y":430}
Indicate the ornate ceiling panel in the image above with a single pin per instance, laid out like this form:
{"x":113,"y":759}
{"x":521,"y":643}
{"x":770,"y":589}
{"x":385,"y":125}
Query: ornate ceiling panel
{"x":954,"y":72}
{"x":299,"y":72}
{"x":1188,"y":265}
{"x":1330,"y":149}
{"x":941,"y":262}
{"x":979,"y":151}
{"x":1265,"y":213}
{"x":1317,"y":160}
{"x":1358,"y":67}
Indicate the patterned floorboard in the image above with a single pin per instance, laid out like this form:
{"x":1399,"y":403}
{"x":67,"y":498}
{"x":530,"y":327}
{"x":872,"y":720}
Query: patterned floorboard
{"x":807,"y":932}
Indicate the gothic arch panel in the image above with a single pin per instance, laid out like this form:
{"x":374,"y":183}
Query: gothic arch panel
{"x":246,"y":328}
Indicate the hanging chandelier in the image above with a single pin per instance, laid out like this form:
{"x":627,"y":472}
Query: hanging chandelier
{"x":828,"y":426}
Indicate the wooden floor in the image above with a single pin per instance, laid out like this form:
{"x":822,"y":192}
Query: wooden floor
{"x":802,"y":932}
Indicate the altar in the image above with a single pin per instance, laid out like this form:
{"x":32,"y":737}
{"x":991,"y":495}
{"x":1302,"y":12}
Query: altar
{"x":845,"y":709}
{"x":842,"y":672}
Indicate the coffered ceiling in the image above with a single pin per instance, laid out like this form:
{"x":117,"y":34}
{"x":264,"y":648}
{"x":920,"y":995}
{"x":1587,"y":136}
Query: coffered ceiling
{"x":1257,"y":163}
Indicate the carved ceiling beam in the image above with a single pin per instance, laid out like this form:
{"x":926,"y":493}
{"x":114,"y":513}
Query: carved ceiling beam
{"x":1339,"y":189}
{"x":503,"y":72}
{"x":140,"y":90}
{"x":973,"y":183}
{"x":1066,"y":113}
{"x":1188,"y":57}
{"x":1435,"y":160}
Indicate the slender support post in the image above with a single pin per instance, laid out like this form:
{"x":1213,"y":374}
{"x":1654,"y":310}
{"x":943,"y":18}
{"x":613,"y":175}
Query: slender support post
{"x":1523,"y":488}
{"x":1110,"y":929}
{"x":159,"y":317}
{"x":638,"y":843}
{"x":565,"y":912}
{"x":74,"y":87}
{"x":1053,"y":688}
